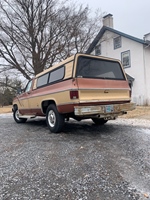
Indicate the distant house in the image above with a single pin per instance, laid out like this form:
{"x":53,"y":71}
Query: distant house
{"x":134,"y":54}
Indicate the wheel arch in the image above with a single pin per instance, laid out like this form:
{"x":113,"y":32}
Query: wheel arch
{"x":46,"y":103}
{"x":15,"y":106}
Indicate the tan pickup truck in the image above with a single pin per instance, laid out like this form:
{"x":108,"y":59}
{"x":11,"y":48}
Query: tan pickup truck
{"x":80,"y":87}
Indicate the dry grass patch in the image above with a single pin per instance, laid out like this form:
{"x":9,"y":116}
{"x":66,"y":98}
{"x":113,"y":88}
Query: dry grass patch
{"x":5,"y":109}
{"x":140,"y":111}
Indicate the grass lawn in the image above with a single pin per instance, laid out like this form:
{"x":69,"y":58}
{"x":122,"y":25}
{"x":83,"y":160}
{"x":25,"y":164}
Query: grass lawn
{"x":5,"y":109}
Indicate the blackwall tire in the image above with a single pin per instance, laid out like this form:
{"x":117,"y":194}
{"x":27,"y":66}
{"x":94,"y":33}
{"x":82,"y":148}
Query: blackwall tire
{"x":54,"y":120}
{"x":99,"y":121}
{"x":17,"y":118}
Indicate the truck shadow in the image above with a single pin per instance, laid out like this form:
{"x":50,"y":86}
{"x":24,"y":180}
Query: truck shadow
{"x":79,"y":128}
{"x":75,"y":127}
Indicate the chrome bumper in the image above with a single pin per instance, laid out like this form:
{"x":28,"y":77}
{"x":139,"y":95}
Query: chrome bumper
{"x":104,"y":110}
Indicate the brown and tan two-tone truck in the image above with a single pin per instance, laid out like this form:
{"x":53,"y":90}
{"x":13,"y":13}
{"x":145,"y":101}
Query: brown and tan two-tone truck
{"x":80,"y":87}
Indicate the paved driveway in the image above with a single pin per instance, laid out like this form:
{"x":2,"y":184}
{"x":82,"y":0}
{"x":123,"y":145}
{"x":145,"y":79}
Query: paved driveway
{"x":111,"y":162}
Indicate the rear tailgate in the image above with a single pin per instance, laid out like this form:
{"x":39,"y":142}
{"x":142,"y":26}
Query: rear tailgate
{"x":104,"y":91}
{"x":102,"y":87}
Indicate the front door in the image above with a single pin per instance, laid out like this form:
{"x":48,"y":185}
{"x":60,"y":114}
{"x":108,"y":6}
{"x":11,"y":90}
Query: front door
{"x":24,"y":107}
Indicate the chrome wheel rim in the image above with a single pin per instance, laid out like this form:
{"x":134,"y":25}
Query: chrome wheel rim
{"x":51,"y":118}
{"x":17,"y":115}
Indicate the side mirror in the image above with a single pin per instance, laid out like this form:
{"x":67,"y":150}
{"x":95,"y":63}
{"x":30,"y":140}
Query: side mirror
{"x":19,"y":90}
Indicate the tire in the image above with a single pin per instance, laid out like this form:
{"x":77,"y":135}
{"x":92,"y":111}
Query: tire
{"x":99,"y":121}
{"x":54,"y":120}
{"x":16,"y":117}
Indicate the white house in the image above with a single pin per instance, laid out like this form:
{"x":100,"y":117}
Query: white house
{"x":134,"y":54}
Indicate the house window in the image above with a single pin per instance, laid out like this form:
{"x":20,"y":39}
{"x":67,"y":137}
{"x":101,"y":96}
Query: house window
{"x":125,"y":59}
{"x":117,"y":42}
{"x":98,"y":50}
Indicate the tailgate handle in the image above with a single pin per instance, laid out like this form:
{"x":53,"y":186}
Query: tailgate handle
{"x":106,"y":91}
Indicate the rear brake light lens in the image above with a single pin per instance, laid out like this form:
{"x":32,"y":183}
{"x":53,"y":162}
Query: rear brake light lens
{"x":74,"y":94}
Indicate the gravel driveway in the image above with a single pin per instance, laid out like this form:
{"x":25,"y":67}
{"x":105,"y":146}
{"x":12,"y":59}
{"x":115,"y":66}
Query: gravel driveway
{"x":84,"y":162}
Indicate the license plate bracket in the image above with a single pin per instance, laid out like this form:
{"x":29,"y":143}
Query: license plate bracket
{"x":109,"y":108}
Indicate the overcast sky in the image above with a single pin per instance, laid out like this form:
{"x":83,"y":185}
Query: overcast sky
{"x":130,"y":16}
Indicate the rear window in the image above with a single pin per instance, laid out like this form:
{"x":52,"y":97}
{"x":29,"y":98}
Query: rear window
{"x":99,"y":68}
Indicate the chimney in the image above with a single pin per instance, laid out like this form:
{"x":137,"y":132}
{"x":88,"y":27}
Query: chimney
{"x":147,"y":37}
{"x":108,"y":20}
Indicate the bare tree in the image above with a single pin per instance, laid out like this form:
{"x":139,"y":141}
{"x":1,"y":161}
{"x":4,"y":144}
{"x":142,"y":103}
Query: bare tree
{"x":8,"y":88}
{"x":13,"y":83}
{"x":34,"y":34}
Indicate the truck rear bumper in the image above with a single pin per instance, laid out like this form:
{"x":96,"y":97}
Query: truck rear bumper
{"x":104,"y":110}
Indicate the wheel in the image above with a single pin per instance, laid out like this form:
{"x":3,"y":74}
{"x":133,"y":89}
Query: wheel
{"x":54,"y":120}
{"x":99,"y":121}
{"x":17,"y":118}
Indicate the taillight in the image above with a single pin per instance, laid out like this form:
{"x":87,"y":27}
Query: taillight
{"x":74,"y":94}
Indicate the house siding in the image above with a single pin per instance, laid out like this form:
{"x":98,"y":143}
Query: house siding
{"x":140,"y":64}
{"x":147,"y":73}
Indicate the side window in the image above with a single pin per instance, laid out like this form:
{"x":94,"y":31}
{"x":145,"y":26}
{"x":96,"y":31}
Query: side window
{"x":57,"y":74}
{"x":42,"y":80}
{"x":28,"y":87}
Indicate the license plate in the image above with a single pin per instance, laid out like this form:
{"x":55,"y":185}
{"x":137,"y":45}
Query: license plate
{"x":109,"y":108}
